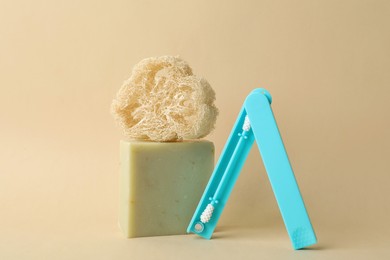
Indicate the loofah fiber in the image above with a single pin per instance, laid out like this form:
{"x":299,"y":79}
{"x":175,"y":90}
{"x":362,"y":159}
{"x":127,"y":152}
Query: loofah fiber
{"x":163,"y":101}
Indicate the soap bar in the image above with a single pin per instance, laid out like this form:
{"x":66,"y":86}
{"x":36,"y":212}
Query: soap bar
{"x":161,"y":185}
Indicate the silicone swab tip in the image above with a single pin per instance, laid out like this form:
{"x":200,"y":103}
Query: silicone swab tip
{"x":207,"y":213}
{"x":247,"y":125}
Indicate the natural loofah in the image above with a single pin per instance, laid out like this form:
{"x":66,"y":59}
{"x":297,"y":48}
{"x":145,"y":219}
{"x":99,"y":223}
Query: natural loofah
{"x":164,"y":101}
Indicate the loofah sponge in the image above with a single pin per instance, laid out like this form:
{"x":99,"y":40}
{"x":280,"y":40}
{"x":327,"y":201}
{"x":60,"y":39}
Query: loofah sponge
{"x":164,"y":101}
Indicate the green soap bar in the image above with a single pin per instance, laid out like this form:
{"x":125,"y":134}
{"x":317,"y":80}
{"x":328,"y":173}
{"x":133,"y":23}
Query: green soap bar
{"x":161,"y":185}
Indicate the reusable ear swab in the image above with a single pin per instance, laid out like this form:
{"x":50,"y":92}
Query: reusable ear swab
{"x":231,"y":169}
{"x":255,"y":122}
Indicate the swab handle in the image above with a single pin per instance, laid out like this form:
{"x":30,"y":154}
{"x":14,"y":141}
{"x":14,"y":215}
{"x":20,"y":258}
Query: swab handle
{"x":216,"y":178}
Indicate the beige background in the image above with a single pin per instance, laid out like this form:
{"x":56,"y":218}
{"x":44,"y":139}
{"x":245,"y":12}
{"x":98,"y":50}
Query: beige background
{"x":326,"y":63}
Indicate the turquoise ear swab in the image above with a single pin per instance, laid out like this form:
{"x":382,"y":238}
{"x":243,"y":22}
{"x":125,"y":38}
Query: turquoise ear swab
{"x":232,"y":170}
{"x":255,"y":122}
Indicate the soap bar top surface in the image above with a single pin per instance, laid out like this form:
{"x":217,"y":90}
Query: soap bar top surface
{"x":161,"y":185}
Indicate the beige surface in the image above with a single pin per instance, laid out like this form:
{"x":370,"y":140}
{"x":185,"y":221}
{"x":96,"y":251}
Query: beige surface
{"x":326,"y":63}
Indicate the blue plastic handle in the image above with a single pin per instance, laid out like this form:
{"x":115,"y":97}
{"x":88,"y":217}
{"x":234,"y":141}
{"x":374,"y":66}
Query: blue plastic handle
{"x":264,"y":129}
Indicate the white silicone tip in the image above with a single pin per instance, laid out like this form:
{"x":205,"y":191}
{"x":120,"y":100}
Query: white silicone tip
{"x":247,"y":124}
{"x":207,"y":213}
